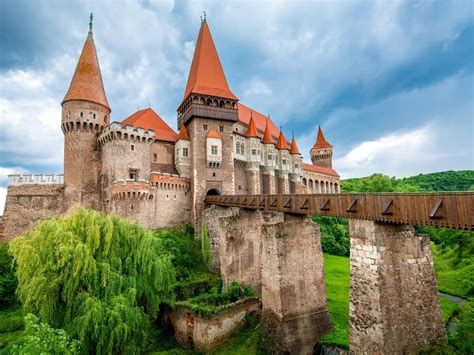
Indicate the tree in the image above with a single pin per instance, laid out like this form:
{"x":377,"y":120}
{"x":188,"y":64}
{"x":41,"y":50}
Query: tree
{"x":101,"y":278}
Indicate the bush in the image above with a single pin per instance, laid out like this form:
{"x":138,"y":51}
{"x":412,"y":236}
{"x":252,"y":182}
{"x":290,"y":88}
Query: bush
{"x":101,"y":278}
{"x":8,"y":280}
{"x":334,"y":235}
{"x":40,"y":338}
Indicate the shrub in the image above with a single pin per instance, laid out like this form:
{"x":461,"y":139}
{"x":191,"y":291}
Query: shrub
{"x":40,"y":338}
{"x":8,"y":280}
{"x":101,"y":278}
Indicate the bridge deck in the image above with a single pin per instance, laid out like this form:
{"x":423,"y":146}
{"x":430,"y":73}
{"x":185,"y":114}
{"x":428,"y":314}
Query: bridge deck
{"x":448,"y":209}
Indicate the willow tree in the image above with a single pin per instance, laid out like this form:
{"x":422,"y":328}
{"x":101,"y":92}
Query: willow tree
{"x":101,"y":278}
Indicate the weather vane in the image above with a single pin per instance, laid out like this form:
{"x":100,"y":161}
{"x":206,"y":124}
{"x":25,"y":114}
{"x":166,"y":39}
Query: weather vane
{"x":90,"y":22}
{"x":203,"y":17}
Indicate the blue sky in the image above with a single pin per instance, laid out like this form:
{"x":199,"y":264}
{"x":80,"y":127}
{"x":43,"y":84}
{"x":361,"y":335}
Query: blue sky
{"x":390,"y":82}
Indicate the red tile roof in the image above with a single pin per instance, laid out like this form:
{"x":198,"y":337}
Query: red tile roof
{"x":320,"y":169}
{"x":259,"y":119}
{"x":321,"y":142}
{"x":267,"y":137}
{"x":183,"y":134}
{"x":206,"y":75}
{"x":294,"y":148}
{"x":86,"y":84}
{"x":251,"y":129}
{"x":282,"y":143}
{"x":148,"y":119}
{"x":213,"y":134}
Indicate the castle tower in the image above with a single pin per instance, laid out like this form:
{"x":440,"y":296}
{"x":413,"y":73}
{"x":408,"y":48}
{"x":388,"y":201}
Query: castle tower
{"x":283,"y":166}
{"x":85,"y":111}
{"x":269,"y":158}
{"x":296,"y":170}
{"x":252,"y":170}
{"x":182,"y":153}
{"x":321,"y":153}
{"x":208,"y":105}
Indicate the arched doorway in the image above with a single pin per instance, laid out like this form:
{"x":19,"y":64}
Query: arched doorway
{"x":213,"y":192}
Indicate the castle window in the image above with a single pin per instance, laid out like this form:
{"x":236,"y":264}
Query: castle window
{"x":93,"y":116}
{"x":132,"y":147}
{"x":185,"y":152}
{"x":69,"y":114}
{"x":214,"y":149}
{"x":254,"y":151}
{"x":237,"y":147}
{"x":213,"y":174}
{"x":221,"y":129}
{"x":204,"y":127}
{"x":269,"y":157}
{"x":296,"y":166}
{"x":155,"y":157}
{"x":133,"y":174}
{"x":284,"y":162}
{"x":82,"y":114}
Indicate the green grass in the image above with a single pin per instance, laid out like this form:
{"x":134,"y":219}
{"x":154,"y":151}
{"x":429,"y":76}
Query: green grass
{"x":336,"y":269}
{"x":448,"y":308}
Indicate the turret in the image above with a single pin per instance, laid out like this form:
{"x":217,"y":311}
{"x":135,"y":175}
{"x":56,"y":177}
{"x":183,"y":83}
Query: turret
{"x":283,"y":164}
{"x":296,"y":159}
{"x":321,"y":153}
{"x":182,"y":153}
{"x":85,"y":112}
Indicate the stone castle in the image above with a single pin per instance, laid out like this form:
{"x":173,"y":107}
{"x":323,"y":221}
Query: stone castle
{"x":140,"y":168}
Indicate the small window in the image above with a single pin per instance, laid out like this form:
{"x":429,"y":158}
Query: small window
{"x":254,"y":152}
{"x":296,"y":166}
{"x":221,"y":129}
{"x":237,"y":147}
{"x":132,"y":147}
{"x":185,"y":152}
{"x":204,"y":127}
{"x":82,"y":114}
{"x":133,"y":174}
{"x":283,"y":161}
{"x":214,"y":174}
{"x":155,"y":157}
{"x":269,"y":157}
{"x":214,"y":149}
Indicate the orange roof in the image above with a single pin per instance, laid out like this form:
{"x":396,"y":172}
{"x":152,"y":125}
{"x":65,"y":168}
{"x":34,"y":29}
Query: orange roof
{"x":282,"y":143}
{"x":206,"y":75}
{"x":321,"y":142}
{"x":267,"y":137}
{"x":260,"y":120}
{"x":319,"y":169}
{"x":183,"y":134}
{"x":213,"y":134}
{"x":86,"y":84}
{"x":251,"y":129}
{"x":294,"y":148}
{"x":148,"y":119}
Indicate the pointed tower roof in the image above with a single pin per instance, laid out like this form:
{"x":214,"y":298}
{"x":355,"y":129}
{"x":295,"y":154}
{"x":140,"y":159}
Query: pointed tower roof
{"x":214,"y":134}
{"x":251,"y":129}
{"x":183,"y":134}
{"x":86,"y":84}
{"x":267,"y":135}
{"x":148,"y":119}
{"x":294,"y":148}
{"x":206,"y":75}
{"x":321,"y":142}
{"x":281,"y":143}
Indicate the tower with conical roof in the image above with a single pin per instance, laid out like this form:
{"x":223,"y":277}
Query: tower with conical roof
{"x":85,"y":112}
{"x":208,"y":106}
{"x":321,"y":153}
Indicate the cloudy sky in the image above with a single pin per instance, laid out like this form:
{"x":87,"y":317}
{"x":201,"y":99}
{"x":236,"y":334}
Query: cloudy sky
{"x":390,"y":82}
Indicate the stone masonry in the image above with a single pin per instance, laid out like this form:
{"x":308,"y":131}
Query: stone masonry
{"x":394,"y":305}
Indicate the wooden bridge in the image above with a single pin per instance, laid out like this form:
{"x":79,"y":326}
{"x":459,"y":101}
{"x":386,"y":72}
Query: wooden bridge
{"x":449,"y":209}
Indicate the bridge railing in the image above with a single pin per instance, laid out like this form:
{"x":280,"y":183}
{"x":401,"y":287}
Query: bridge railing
{"x":447,"y":209}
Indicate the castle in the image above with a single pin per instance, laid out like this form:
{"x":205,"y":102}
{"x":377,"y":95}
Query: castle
{"x":141,"y":169}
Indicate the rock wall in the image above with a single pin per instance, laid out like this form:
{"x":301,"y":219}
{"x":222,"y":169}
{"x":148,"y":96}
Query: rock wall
{"x":394,"y":305}
{"x":27,"y":204}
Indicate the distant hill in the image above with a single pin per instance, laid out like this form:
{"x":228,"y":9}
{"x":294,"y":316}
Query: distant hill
{"x":462,"y":180}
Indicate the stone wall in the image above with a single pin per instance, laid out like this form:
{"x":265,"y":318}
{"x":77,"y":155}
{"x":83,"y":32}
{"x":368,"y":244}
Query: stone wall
{"x":240,"y":180}
{"x":394,"y":305}
{"x":25,"y":205}
{"x":164,"y":154}
{"x":203,"y":334}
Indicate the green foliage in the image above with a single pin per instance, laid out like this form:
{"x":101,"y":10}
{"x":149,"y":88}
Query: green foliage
{"x":99,"y":277}
{"x":377,"y":183}
{"x":207,"y":304}
{"x":40,"y":338}
{"x":334,"y":235}
{"x":462,"y":338}
{"x":8,"y":280}
{"x":11,"y":325}
{"x":448,"y":308}
{"x":205,"y":248}
{"x":444,"y":181}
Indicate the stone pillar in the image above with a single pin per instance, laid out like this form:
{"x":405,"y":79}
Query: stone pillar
{"x":283,"y":183}
{"x":253,"y":181}
{"x":294,"y":314}
{"x":394,"y":306}
{"x":269,"y":184}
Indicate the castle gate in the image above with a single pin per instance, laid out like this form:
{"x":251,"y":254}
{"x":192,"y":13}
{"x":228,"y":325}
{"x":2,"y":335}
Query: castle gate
{"x":269,"y":243}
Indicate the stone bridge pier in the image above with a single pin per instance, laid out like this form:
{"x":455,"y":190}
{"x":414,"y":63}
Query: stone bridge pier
{"x":394,"y":305}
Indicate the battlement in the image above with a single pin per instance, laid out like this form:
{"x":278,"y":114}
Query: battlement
{"x":164,"y":181}
{"x":140,"y":189}
{"x":30,"y":179}
{"x":116,"y":131}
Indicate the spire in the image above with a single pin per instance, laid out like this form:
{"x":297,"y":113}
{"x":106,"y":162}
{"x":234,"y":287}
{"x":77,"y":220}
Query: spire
{"x":251,"y":128}
{"x":183,"y":133}
{"x":86,"y":84}
{"x":90,"y":23}
{"x":281,"y":143}
{"x":294,"y":148}
{"x":267,"y":136}
{"x":321,"y":142}
{"x":206,"y":75}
